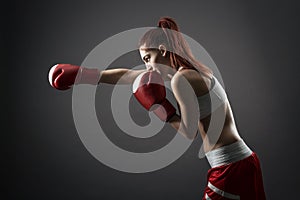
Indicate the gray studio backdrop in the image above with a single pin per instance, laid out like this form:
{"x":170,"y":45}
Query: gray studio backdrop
{"x":254,"y":45}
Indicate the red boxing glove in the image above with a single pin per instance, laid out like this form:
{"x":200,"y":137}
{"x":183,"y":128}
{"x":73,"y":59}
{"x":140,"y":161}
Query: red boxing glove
{"x":62,"y":76}
{"x":149,"y":89}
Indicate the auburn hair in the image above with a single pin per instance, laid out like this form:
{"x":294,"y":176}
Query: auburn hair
{"x":179,"y":52}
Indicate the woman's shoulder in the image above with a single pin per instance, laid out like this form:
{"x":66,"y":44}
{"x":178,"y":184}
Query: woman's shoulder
{"x":199,"y":82}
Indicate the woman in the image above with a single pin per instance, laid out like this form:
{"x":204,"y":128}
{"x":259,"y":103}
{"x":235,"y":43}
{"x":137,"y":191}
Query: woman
{"x":235,"y":172}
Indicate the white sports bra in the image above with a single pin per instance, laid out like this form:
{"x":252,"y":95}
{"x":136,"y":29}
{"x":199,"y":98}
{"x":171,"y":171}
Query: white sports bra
{"x":213,"y":99}
{"x":208,"y":102}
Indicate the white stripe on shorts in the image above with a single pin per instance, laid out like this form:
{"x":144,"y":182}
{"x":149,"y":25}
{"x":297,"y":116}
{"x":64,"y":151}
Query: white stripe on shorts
{"x":207,"y":197}
{"x":222,"y":193}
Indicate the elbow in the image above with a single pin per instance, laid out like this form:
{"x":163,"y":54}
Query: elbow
{"x":191,"y":136}
{"x":190,"y":132}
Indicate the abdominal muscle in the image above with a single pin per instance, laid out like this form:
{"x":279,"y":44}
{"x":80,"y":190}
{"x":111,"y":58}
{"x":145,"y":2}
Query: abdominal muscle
{"x":229,"y":133}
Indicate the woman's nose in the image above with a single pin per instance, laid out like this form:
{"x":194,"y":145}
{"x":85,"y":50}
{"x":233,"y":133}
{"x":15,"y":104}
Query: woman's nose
{"x":149,"y":67}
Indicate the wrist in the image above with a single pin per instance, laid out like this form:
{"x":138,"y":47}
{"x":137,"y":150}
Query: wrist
{"x":165,"y":111}
{"x":88,"y":76}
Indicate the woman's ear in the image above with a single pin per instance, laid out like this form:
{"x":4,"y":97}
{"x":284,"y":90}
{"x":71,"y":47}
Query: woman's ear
{"x":162,"y":49}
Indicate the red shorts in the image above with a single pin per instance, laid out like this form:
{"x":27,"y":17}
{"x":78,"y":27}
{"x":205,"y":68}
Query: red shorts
{"x":238,"y":180}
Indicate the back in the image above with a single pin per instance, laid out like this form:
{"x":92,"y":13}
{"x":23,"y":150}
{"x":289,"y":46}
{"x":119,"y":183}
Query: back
{"x":212,"y":98}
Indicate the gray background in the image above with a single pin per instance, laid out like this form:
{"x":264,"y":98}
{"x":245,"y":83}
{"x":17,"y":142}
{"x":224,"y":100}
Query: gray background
{"x":255,"y":45}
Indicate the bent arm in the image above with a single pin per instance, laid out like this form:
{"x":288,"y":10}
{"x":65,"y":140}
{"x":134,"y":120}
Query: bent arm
{"x":183,"y":129}
{"x":119,"y":76}
{"x":187,"y":122}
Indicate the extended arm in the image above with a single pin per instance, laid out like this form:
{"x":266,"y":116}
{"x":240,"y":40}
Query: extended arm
{"x":64,"y":76}
{"x":119,"y":76}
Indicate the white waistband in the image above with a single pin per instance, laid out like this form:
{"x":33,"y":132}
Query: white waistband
{"x":228,"y":154}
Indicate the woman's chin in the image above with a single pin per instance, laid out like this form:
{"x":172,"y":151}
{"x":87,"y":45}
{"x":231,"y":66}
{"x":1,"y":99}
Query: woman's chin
{"x":158,"y":72}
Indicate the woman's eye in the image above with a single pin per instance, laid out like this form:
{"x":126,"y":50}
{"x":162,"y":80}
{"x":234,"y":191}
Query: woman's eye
{"x":147,"y":59}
